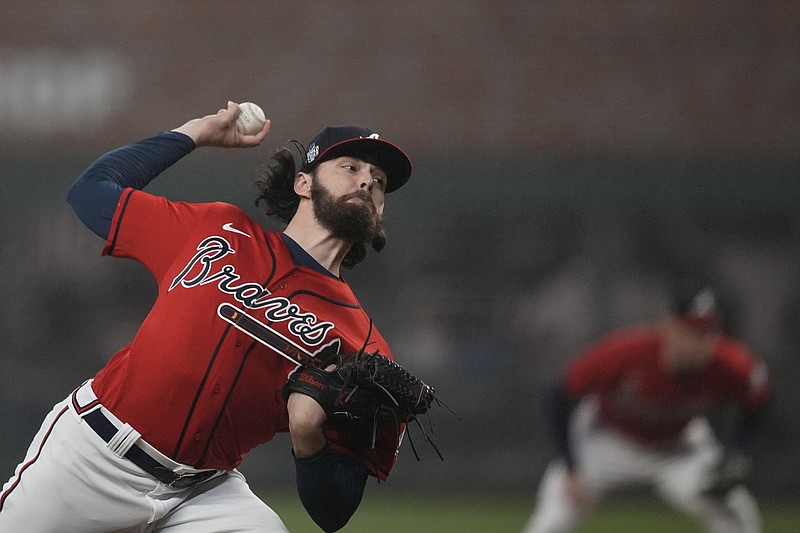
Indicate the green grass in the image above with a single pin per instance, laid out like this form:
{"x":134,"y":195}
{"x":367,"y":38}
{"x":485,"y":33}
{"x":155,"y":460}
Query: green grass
{"x":383,"y":513}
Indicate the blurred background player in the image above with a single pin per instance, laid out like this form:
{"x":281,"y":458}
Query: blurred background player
{"x":632,"y":411}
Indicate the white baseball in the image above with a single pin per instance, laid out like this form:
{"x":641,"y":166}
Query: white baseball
{"x":251,"y":119}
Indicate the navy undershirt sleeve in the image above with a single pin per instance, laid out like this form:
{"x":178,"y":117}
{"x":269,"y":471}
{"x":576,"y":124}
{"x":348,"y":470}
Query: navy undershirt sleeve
{"x":561,"y":412}
{"x":746,"y":428}
{"x":95,"y":193}
{"x":330,"y":485}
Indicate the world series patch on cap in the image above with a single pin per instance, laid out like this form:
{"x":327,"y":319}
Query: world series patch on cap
{"x":337,"y":141}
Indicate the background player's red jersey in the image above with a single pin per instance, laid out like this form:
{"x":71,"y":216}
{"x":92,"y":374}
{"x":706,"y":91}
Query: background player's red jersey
{"x":640,"y":397}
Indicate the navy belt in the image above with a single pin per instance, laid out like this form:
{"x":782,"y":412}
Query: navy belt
{"x":106,"y":430}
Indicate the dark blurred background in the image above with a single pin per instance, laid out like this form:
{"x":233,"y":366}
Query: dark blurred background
{"x":570,"y":158}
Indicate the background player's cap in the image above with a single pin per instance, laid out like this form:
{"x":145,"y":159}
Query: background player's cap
{"x":695,"y":304}
{"x":336,"y":141}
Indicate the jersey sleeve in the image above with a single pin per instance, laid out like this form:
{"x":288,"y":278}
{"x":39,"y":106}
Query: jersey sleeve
{"x":746,"y":375}
{"x":153,"y":230}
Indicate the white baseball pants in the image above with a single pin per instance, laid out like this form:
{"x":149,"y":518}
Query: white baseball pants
{"x":607,"y":461}
{"x":71,"y":482}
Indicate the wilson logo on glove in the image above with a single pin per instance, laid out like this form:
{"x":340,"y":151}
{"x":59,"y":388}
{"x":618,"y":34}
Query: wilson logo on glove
{"x":311,"y":381}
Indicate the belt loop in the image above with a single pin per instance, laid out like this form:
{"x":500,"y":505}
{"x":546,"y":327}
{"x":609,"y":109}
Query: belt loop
{"x":122,"y":441}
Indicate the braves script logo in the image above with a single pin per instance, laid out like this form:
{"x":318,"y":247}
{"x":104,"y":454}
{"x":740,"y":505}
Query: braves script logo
{"x":202,"y":270}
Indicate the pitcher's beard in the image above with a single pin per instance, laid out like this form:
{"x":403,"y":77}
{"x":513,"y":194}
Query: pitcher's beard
{"x":352,"y":221}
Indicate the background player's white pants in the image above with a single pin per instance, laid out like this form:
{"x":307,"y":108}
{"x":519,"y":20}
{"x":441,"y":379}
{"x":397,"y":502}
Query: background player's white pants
{"x":70,"y":482}
{"x":608,"y":461}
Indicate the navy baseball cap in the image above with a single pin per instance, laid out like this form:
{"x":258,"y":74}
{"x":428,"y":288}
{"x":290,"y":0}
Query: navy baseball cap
{"x":337,"y":141}
{"x":695,"y":304}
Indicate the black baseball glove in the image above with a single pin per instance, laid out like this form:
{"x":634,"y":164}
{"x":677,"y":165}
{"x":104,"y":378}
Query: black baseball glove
{"x":363,"y":392}
{"x":362,"y":385}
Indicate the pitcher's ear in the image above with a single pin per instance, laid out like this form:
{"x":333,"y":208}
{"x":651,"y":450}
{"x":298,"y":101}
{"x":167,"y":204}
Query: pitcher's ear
{"x":302,"y":184}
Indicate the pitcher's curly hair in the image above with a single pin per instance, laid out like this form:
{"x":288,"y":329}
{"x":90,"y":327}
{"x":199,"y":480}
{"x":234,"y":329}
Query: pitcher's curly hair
{"x":275,"y":184}
{"x":276,"y":196}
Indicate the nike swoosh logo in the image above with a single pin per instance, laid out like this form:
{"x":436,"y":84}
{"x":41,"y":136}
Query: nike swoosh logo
{"x":229,"y":227}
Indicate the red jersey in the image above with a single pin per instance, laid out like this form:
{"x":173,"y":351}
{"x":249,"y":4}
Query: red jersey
{"x":198,"y":389}
{"x":638,"y":395}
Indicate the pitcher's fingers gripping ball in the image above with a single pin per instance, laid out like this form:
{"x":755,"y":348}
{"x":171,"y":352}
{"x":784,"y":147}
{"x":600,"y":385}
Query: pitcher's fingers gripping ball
{"x":251,"y":119}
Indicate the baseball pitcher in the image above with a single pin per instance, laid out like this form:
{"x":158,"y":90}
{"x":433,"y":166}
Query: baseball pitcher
{"x":252,"y":333}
